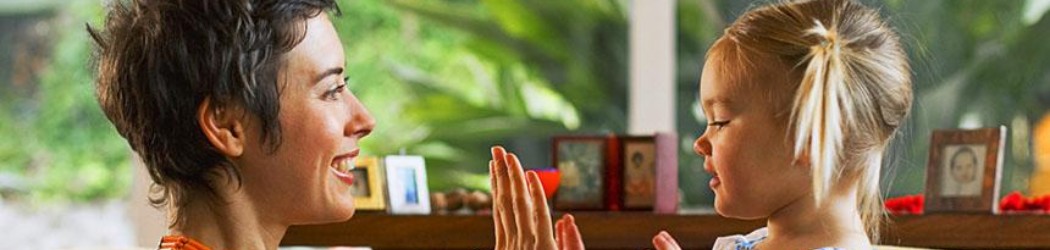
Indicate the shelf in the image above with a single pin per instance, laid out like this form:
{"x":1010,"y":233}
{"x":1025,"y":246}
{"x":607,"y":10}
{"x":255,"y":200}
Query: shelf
{"x":634,"y":230}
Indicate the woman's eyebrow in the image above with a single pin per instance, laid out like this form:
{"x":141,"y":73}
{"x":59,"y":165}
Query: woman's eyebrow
{"x":326,"y":73}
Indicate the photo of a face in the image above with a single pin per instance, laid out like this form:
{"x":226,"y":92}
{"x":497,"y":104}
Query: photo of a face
{"x":582,"y":169}
{"x":963,"y":167}
{"x":639,"y":174}
{"x":408,"y":178}
{"x":360,"y":187}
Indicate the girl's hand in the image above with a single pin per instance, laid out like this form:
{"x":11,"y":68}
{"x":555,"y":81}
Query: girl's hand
{"x":664,"y":241}
{"x":568,"y":236}
{"x":519,"y":208}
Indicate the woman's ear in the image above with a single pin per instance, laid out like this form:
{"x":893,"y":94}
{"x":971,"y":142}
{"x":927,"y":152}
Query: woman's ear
{"x":222,"y":127}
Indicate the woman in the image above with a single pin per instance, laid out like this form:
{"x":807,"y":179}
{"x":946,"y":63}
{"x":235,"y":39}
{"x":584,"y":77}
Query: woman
{"x":239,"y":110}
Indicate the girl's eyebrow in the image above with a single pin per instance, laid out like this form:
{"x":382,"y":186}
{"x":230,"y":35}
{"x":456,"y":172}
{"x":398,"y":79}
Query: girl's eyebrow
{"x":716,"y":101}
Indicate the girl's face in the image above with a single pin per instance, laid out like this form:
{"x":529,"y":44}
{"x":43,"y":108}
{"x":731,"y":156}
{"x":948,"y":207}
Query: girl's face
{"x":321,"y":122}
{"x":746,"y":148}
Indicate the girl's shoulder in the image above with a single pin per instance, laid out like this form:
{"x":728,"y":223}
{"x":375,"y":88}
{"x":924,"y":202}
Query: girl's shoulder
{"x":740,"y":242}
{"x":747,"y":242}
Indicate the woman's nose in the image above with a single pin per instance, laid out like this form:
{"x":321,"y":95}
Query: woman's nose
{"x":361,"y":121}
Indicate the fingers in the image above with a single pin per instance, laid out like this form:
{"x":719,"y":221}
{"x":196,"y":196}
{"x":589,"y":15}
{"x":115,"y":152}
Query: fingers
{"x":522,"y":204}
{"x":559,"y":227}
{"x":570,"y":234}
{"x":501,"y":236}
{"x":541,"y":214}
{"x":503,"y":203}
{"x":664,"y":241}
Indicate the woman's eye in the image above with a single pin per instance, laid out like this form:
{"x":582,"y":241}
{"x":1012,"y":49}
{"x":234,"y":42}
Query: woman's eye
{"x":333,"y":94}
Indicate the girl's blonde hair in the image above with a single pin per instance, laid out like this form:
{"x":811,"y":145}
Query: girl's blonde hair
{"x":849,"y":87}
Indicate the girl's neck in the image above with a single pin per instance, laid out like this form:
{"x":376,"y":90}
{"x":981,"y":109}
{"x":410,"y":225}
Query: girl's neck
{"x":235,"y":224}
{"x":803,"y":225}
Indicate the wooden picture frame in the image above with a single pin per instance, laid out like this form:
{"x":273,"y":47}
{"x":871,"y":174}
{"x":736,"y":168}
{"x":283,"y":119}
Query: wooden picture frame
{"x":369,"y":184}
{"x":964,"y":170}
{"x":407,"y":184}
{"x":581,"y":162}
{"x":639,"y":172}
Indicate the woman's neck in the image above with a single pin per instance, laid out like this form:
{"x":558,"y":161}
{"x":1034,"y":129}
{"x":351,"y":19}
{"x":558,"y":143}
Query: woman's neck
{"x":235,"y":224}
{"x":804,"y":225}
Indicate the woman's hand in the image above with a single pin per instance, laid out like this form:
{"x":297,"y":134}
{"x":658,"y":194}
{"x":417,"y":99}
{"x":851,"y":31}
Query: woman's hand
{"x":519,"y":208}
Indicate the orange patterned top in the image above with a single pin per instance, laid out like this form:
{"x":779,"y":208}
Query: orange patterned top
{"x":172,"y":242}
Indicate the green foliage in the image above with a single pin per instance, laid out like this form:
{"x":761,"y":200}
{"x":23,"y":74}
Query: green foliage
{"x":57,"y":138}
{"x":449,"y":78}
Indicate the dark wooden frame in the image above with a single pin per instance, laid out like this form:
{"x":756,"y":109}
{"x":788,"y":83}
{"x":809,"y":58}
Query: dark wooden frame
{"x":556,"y":141}
{"x":993,"y":139}
{"x":626,"y":160}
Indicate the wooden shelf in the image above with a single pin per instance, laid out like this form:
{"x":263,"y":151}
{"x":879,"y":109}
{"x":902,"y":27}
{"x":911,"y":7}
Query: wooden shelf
{"x":634,"y":230}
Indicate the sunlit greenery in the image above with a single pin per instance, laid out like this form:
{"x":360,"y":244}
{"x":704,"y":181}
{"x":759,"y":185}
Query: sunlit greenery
{"x":448,"y":78}
{"x":56,"y":140}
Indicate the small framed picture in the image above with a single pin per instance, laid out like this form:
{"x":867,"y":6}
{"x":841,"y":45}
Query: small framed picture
{"x":581,"y":160}
{"x":964,"y":170}
{"x":407,"y":185}
{"x":639,"y":173}
{"x":368,"y":184}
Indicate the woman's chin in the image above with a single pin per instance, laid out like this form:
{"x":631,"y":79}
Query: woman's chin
{"x":337,"y":211}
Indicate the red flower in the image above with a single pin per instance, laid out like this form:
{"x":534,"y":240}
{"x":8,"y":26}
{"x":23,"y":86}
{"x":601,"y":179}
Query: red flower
{"x":909,"y":204}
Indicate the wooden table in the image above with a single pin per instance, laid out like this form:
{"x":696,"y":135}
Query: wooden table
{"x":633,"y":230}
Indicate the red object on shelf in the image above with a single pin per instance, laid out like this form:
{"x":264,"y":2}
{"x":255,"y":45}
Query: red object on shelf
{"x":1015,"y":202}
{"x":909,"y":204}
{"x":550,"y":178}
{"x":613,"y":174}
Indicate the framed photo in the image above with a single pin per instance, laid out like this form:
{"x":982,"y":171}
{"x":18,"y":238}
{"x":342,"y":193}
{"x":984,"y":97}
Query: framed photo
{"x":407,"y":185}
{"x":368,"y":184}
{"x":581,"y":160}
{"x":639,"y":173}
{"x":964,"y":170}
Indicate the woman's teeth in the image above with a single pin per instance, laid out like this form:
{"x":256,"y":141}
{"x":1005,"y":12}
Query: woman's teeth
{"x":343,"y":166}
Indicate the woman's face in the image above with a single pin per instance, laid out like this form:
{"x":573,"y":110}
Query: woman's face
{"x":321,"y":122}
{"x":746,"y":149}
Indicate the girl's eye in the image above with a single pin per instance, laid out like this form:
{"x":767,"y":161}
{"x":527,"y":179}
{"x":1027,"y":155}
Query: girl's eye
{"x":718,"y":124}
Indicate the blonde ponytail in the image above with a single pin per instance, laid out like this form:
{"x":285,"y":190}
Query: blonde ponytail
{"x":818,"y":109}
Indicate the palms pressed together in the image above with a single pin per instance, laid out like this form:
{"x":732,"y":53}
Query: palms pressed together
{"x":521,"y":217}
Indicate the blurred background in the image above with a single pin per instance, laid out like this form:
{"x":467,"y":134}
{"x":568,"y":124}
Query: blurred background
{"x":448,"y":78}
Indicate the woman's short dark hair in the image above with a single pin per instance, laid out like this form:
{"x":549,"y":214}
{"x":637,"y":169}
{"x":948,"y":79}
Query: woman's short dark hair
{"x":159,"y":59}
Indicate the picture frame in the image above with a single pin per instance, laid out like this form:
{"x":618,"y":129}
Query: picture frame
{"x":964,"y":170}
{"x":369,"y":184}
{"x":639,"y":155}
{"x":581,"y":161}
{"x":407,"y":184}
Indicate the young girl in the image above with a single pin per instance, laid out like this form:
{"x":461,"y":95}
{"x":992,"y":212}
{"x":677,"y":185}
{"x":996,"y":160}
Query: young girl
{"x":802,"y":99}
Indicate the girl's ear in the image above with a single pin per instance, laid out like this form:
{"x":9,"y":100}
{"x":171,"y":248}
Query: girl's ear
{"x":802,"y":159}
{"x":223,"y":128}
